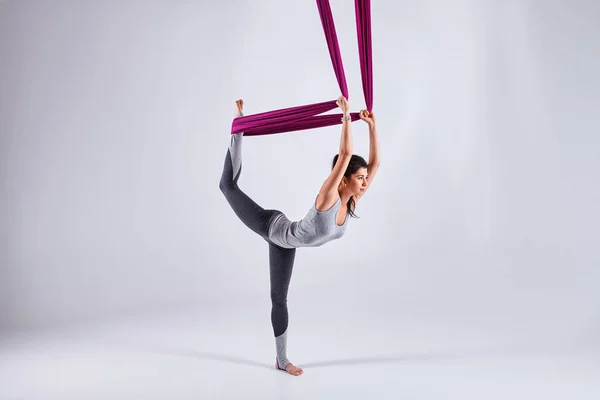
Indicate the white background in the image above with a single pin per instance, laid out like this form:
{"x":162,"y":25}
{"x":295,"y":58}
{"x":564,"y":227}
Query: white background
{"x":115,"y":119}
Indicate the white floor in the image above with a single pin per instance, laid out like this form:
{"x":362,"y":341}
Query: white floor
{"x":227,"y":352}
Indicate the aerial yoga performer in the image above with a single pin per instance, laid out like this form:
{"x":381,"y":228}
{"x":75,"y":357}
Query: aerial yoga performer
{"x":337,"y":198}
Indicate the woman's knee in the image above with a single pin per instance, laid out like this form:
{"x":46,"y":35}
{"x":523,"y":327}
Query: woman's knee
{"x":224,"y":184}
{"x":278,"y":299}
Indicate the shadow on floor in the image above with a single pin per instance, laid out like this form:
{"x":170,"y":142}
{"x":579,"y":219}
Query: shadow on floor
{"x":212,"y":356}
{"x":492,"y":351}
{"x":438,"y":356}
{"x":407,"y":358}
{"x":433,"y":356}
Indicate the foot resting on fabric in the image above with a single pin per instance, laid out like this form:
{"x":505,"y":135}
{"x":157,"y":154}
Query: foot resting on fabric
{"x":238,"y":109}
{"x":290,"y":368}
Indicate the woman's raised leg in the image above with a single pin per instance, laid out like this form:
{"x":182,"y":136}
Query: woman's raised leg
{"x":251,"y":214}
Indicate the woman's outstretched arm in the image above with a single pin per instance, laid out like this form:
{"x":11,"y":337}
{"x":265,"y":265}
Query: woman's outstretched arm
{"x":373,"y":143}
{"x":328,"y":194}
{"x":373,"y":166}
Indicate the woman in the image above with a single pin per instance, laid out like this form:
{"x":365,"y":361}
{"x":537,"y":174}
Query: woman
{"x":326,"y":220}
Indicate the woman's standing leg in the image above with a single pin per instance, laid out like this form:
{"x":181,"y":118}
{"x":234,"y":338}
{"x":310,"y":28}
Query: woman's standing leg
{"x":281,"y":264}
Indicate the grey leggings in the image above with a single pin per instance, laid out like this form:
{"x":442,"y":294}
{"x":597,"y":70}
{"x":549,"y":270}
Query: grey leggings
{"x":281,"y":260}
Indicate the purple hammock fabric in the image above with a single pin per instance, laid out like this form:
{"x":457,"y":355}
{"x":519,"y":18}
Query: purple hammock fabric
{"x":307,"y":117}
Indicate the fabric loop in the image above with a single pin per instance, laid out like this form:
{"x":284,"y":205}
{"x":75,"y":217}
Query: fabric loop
{"x":308,"y":116}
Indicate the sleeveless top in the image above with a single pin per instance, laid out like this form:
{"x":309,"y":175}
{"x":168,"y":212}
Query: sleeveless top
{"x":315,"y":229}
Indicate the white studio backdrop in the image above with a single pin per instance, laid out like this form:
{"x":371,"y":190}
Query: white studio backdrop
{"x":115,"y":118}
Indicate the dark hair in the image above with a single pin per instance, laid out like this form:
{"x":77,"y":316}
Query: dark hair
{"x":356,"y":163}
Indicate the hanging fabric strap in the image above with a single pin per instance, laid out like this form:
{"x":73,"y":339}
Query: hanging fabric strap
{"x":363,"y":30}
{"x":308,"y":116}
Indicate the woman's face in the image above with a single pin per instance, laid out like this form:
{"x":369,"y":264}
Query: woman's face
{"x":357,"y":182}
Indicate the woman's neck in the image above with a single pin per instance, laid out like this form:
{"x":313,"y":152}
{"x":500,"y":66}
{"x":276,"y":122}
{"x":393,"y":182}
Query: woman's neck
{"x":344,"y":196}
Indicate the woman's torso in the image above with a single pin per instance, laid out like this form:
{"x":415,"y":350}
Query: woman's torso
{"x":315,"y":229}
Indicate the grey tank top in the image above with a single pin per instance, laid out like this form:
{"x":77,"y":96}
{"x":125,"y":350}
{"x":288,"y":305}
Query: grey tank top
{"x":315,"y":229}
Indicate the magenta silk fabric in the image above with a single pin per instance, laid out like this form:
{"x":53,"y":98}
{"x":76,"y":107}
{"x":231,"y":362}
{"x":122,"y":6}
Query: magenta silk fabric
{"x":307,"y":117}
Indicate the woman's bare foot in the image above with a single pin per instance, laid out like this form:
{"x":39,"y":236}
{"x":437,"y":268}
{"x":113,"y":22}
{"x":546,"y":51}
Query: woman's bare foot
{"x":238,"y":109}
{"x":290,"y":368}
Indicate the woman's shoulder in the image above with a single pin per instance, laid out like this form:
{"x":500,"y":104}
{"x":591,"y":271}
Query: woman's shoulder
{"x":325,"y":202}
